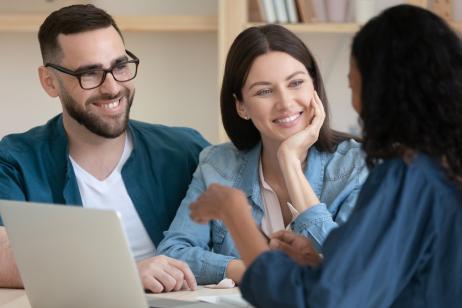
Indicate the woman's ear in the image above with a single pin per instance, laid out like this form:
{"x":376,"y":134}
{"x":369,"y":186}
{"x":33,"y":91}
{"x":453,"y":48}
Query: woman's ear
{"x":48,"y":81}
{"x":240,"y":108}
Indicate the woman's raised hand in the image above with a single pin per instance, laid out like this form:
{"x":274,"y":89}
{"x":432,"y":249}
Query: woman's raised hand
{"x":297,"y":145}
{"x":215,"y":202}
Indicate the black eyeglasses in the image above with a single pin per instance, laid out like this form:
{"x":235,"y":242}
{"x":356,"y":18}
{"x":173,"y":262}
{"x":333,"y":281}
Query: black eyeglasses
{"x":93,"y":78}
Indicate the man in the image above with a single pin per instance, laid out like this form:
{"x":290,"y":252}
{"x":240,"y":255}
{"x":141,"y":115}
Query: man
{"x":92,"y":155}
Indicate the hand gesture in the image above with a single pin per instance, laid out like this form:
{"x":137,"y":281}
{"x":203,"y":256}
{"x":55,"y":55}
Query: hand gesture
{"x":299,"y":248}
{"x":214,"y":203}
{"x":297,"y":145}
{"x":164,"y":274}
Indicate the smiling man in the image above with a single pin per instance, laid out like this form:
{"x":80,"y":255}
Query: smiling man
{"x":92,"y":155}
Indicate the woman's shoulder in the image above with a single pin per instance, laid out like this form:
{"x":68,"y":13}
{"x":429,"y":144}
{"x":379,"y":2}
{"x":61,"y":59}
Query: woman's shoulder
{"x":346,"y":157}
{"x":220,"y":152}
{"x":430,"y":171}
{"x":348,"y":147}
{"x":225,"y":159}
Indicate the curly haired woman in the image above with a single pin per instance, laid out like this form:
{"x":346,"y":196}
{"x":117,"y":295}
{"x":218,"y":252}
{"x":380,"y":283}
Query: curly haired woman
{"x":401,"y":246}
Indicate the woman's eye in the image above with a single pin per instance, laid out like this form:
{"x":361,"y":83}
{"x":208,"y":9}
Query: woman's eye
{"x":263,"y":92}
{"x":296,"y":83}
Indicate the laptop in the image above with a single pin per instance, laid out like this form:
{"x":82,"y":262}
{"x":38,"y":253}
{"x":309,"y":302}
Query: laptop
{"x":74,"y":257}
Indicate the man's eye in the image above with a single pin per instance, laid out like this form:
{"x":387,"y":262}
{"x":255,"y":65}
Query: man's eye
{"x":90,"y":74}
{"x":121,"y":66}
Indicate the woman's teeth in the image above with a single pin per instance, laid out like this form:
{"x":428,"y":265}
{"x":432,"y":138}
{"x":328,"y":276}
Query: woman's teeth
{"x":288,"y":119}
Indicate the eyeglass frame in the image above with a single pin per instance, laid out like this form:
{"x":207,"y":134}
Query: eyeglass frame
{"x":78,"y":74}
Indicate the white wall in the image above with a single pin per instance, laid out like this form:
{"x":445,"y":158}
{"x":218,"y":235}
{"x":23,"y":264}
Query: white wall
{"x":177,"y":83}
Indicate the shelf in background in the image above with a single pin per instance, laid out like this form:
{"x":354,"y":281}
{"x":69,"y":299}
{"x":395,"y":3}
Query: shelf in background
{"x":134,"y":23}
{"x":168,"y":23}
{"x":334,"y":27}
{"x":31,"y":23}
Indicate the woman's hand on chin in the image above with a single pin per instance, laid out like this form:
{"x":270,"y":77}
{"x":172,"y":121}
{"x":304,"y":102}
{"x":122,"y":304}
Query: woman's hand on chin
{"x":296,"y":146}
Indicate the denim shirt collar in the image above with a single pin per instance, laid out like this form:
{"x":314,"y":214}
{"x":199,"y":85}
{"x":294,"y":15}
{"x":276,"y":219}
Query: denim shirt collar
{"x":249,"y":180}
{"x":314,"y":169}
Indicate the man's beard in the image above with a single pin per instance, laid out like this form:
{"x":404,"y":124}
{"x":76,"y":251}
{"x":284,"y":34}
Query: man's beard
{"x":94,"y":123}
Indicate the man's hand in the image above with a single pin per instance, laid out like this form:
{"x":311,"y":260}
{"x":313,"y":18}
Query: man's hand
{"x":299,"y":248}
{"x":163,"y":274}
{"x":9,"y":274}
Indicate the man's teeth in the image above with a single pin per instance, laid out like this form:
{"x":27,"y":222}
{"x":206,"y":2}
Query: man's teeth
{"x":112,"y":105}
{"x":288,"y":119}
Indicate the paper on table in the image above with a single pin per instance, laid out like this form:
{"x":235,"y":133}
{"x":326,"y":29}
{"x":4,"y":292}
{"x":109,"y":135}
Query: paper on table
{"x":234,"y":300}
{"x":224,"y":284}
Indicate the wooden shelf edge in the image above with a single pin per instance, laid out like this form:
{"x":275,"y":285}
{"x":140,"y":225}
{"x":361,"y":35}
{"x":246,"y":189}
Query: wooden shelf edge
{"x":31,"y":23}
{"x":335,"y":27}
{"x":168,"y":23}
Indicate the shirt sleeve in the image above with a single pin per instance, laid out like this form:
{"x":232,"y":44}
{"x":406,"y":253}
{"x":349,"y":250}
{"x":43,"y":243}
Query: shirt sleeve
{"x":274,"y":280}
{"x":319,"y":220}
{"x":191,"y":242}
{"x":344,"y":278}
{"x":399,"y":248}
{"x":10,"y":180}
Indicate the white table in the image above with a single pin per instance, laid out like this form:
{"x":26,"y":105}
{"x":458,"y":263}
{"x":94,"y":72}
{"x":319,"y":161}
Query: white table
{"x":17,"y":298}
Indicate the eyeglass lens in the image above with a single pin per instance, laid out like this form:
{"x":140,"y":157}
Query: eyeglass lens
{"x":121,"y":72}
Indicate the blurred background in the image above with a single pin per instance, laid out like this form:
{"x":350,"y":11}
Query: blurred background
{"x":178,"y":44}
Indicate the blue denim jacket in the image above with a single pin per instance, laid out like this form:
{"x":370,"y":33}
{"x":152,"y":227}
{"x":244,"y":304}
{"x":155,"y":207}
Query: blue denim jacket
{"x":336,"y":178}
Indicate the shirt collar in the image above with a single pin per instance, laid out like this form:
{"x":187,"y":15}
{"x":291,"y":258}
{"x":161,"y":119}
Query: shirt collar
{"x":314,"y":169}
{"x":249,"y":183}
{"x":248,"y":180}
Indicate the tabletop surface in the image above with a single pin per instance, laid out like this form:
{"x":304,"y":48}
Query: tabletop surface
{"x":17,"y":298}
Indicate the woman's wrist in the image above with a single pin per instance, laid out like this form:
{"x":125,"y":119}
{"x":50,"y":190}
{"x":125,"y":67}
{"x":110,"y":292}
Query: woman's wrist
{"x":238,"y":210}
{"x":235,"y":270}
{"x":288,"y":160}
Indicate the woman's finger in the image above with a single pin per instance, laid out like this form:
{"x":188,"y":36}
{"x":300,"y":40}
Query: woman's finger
{"x":319,"y":113}
{"x":319,"y":104}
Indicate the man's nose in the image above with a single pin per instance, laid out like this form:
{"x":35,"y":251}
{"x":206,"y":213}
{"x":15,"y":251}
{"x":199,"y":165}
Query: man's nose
{"x":110,"y":85}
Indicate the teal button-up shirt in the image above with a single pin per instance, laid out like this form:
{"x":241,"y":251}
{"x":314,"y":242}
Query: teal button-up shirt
{"x":35,"y":166}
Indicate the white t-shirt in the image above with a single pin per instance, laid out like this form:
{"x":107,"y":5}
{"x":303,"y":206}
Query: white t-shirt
{"x":111,"y":194}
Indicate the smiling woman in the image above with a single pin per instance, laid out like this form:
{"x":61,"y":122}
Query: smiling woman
{"x":277,"y":96}
{"x":295,"y":172}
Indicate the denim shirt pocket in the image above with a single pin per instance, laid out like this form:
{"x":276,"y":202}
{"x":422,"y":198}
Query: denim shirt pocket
{"x":218,"y":235}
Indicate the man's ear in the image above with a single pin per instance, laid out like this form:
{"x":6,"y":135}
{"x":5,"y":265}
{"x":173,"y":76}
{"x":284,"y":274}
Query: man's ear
{"x":48,"y":81}
{"x":240,"y":108}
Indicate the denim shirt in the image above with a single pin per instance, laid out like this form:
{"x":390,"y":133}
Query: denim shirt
{"x":335,"y":177}
{"x":400,"y":248}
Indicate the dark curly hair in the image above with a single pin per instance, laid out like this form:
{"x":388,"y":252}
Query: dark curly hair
{"x":410,"y":63}
{"x":247,"y":46}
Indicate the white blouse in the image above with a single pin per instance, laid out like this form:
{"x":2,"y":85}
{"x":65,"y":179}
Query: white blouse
{"x":272,"y":220}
